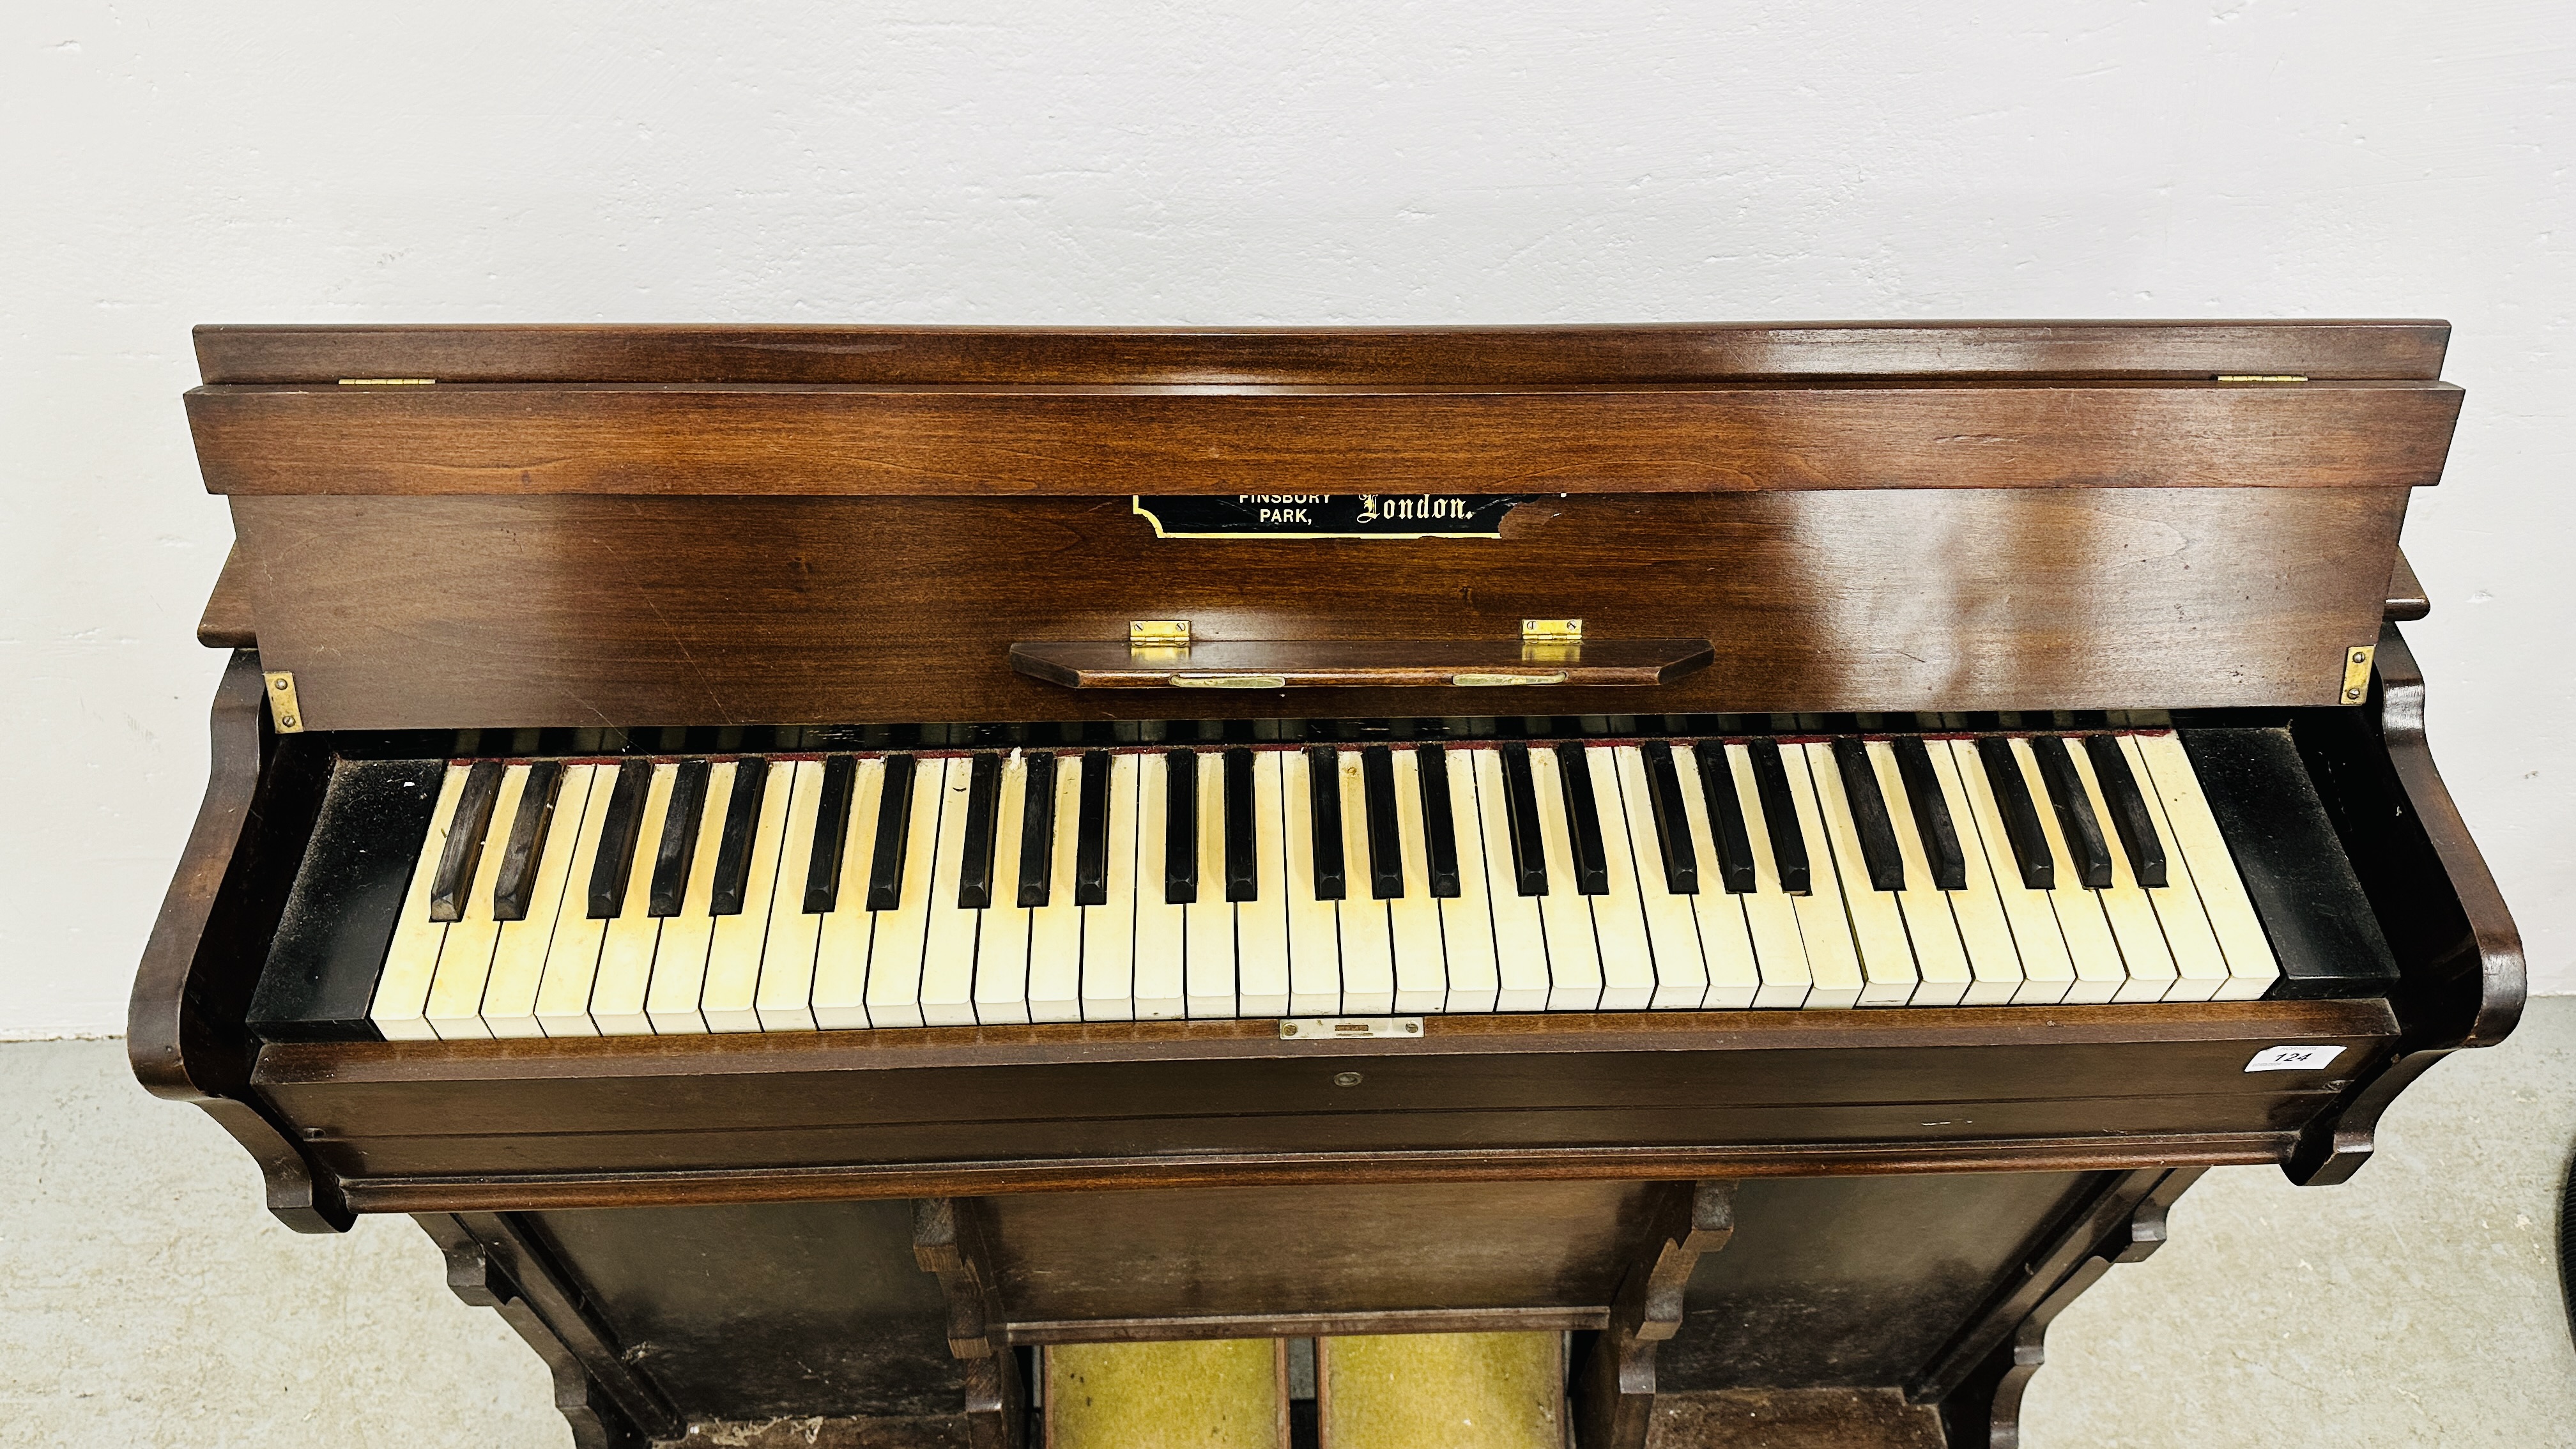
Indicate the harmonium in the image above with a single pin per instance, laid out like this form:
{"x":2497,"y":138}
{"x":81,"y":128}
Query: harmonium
{"x":880,"y":878}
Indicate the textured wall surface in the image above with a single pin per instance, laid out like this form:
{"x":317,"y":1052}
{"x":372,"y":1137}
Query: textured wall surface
{"x":146,"y":1299}
{"x":1229,"y":163}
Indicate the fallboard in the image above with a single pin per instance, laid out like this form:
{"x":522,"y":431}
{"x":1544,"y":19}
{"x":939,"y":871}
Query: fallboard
{"x":454,"y":527}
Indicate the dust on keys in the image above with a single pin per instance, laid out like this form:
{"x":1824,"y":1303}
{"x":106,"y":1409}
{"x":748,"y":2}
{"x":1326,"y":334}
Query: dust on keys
{"x":944,"y":887}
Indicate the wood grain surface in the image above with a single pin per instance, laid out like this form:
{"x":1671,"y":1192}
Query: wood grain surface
{"x":1613,"y":353}
{"x":739,"y":439}
{"x":570,"y":610}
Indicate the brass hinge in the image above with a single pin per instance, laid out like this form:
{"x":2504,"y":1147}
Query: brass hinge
{"x":1160,"y":633}
{"x":2356,"y":672}
{"x":389,"y":382}
{"x":2259,"y":377}
{"x":281,"y":703}
{"x":1551,"y":631}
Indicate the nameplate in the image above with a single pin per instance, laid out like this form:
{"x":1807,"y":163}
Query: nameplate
{"x":1330,"y":515}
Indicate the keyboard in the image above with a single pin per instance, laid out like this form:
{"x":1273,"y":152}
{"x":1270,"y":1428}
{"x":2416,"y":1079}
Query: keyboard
{"x":907,"y":888}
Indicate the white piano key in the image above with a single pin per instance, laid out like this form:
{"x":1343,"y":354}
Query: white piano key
{"x":1208,"y":923}
{"x":1421,"y":964}
{"x":1002,"y":944}
{"x":455,"y":1008}
{"x":840,"y":995}
{"x":1314,"y":926}
{"x":1520,"y":926}
{"x":1161,"y":989}
{"x":1681,"y":970}
{"x":897,"y":947}
{"x":1109,"y":929}
{"x":1467,"y":919}
{"x":626,"y":953}
{"x":948,"y":948}
{"x":1261,"y":924}
{"x":2149,"y":961}
{"x":786,"y":997}
{"x":2251,"y":968}
{"x":1368,"y":936}
{"x":730,"y":999}
{"x":1940,"y":956}
{"x":1055,"y":929}
{"x":2200,"y":965}
{"x":2039,"y":942}
{"x":1888,"y":976}
{"x":519,"y":959}
{"x":2099,"y":973}
{"x":680,"y":958}
{"x":1824,"y":923}
{"x":1994,"y":962}
{"x":572,"y":951}
{"x":1725,"y":934}
{"x":1628,"y":962}
{"x":1771,"y":914}
{"x":400,"y":1006}
{"x":1573,"y":950}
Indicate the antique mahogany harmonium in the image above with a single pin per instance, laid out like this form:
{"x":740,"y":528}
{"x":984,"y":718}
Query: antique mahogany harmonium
{"x":831,"y":867}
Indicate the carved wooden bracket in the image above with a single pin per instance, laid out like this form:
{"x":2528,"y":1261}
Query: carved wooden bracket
{"x":492,"y":1264}
{"x":949,"y":1240}
{"x":1614,"y":1395}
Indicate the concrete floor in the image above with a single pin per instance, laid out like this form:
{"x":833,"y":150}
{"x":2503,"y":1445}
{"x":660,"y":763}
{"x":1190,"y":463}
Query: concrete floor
{"x":146,"y":1299}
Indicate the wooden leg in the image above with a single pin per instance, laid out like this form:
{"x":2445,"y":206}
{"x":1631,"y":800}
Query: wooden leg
{"x":948,"y":1241}
{"x":492,"y":1264}
{"x":1614,"y":1392}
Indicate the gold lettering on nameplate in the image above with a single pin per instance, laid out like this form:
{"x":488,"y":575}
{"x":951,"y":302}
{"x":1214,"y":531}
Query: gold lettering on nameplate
{"x":1329,"y":515}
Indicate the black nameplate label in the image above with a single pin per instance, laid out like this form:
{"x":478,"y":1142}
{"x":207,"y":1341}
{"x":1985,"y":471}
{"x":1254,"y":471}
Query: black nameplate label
{"x":1330,"y":515}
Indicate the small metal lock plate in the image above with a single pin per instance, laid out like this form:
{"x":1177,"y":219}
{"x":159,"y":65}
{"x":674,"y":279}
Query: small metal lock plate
{"x":1349,"y":1028}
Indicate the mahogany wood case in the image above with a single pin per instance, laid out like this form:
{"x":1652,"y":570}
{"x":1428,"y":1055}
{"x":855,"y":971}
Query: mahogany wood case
{"x":460,"y":529}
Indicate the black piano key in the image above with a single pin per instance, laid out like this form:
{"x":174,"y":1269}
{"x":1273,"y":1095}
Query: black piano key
{"x":1672,"y":827}
{"x":678,"y":847}
{"x":1725,"y":818}
{"x":831,"y":832}
{"x":617,"y":834}
{"x":1520,"y":812}
{"x":1180,"y":827}
{"x":1780,"y":817}
{"x":894,"y":834}
{"x":1037,"y":830}
{"x":1091,"y":840}
{"x":1386,"y":849}
{"x":2129,"y":814}
{"x":1870,"y":821}
{"x":1932,"y":819}
{"x":2075,"y":820}
{"x":983,"y":810}
{"x":1583,"y":818}
{"x":2021,"y":818}
{"x":741,"y":822}
{"x":1324,"y":815}
{"x":518,"y":878}
{"x":465,"y":832}
{"x":1439,"y":824}
{"x":1242,"y":862}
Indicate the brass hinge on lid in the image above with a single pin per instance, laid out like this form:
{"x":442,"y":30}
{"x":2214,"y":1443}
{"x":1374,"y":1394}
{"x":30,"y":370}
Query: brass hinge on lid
{"x":281,"y":703}
{"x":2356,"y":672}
{"x":1554,"y":641}
{"x":1159,"y":633}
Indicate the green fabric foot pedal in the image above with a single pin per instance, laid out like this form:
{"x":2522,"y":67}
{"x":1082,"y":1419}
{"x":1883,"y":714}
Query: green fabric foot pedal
{"x":1455,"y":1390}
{"x":1226,"y":1394}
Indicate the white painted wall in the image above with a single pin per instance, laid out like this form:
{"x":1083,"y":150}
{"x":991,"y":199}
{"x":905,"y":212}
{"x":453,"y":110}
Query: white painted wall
{"x":166,"y":164}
